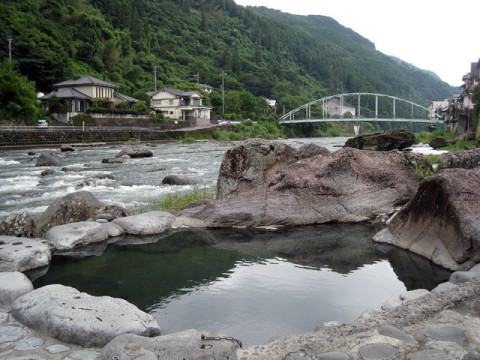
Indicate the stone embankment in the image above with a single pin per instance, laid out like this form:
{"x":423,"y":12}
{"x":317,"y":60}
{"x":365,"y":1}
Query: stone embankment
{"x":16,"y":137}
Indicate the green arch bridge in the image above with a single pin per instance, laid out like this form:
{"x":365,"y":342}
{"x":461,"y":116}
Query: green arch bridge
{"x":380,"y":107}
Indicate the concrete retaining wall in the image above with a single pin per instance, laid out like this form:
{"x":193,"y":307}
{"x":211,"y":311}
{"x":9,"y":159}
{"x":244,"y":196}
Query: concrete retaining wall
{"x":51,"y":136}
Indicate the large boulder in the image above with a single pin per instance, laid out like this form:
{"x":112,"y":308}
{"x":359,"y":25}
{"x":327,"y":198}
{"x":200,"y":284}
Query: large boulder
{"x":177,"y":180}
{"x":45,"y":159}
{"x":438,"y":142}
{"x":397,"y":139}
{"x":76,"y":207}
{"x":149,"y":223}
{"x":252,"y":164}
{"x":13,"y":285}
{"x":19,"y":224}
{"x":136,"y":151}
{"x":23,"y":254}
{"x":466,"y":159}
{"x":73,"y":235}
{"x":79,"y":318}
{"x":189,"y":344}
{"x":442,"y":221}
{"x":349,"y":186}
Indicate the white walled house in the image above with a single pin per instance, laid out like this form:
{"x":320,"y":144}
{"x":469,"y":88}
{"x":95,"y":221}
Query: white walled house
{"x":76,"y":96}
{"x":181,"y":105}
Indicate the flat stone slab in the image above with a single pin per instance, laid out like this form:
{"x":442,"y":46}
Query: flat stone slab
{"x":26,"y":357}
{"x":78,"y":234}
{"x":430,"y":354}
{"x":149,"y":223}
{"x":30,"y":343}
{"x":22,"y":254}
{"x":380,"y":351}
{"x":12,"y":333}
{"x":446,"y":333}
{"x":79,"y":318}
{"x":12,"y":285}
{"x":188,"y":344}
{"x":395,"y":333}
{"x":57,"y":348}
{"x":83,"y":355}
{"x":333,"y":356}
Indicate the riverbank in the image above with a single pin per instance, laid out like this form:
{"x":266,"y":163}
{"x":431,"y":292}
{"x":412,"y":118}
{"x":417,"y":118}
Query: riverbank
{"x":443,"y":324}
{"x":30,"y":137}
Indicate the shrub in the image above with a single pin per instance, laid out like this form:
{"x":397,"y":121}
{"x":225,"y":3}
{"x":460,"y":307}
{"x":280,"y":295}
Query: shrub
{"x":177,"y":201}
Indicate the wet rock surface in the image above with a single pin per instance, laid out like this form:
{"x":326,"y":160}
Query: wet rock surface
{"x":397,"y":139}
{"x":442,"y":221}
{"x":349,"y":186}
{"x":23,"y":254}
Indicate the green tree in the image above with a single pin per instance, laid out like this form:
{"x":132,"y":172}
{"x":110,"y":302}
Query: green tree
{"x":18,"y":102}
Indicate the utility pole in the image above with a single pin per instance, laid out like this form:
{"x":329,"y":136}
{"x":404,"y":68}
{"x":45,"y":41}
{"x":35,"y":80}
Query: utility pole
{"x":223,"y":92}
{"x":155,"y":75}
{"x":10,"y":48}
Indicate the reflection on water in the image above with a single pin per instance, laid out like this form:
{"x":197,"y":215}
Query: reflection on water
{"x":253,"y":285}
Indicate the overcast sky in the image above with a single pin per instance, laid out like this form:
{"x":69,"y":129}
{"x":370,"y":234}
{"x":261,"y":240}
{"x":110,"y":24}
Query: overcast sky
{"x":437,"y":35}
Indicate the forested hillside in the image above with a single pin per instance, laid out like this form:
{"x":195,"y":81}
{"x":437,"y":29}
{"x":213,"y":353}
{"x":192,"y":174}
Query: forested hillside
{"x":262,"y":52}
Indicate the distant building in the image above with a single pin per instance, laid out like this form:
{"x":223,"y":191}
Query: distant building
{"x":76,"y":96}
{"x":181,"y":105}
{"x":337,"y":108}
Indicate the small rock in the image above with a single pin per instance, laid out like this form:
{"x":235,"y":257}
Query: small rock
{"x":12,"y":333}
{"x":48,"y":160}
{"x":113,"y":230}
{"x":149,"y":223}
{"x":413,"y":295}
{"x":57,"y":348}
{"x":443,"y":287}
{"x":446,"y":333}
{"x":83,"y":355}
{"x":13,"y":285}
{"x":430,"y":354}
{"x":395,"y":333}
{"x":381,"y":351}
{"x":47,"y":172}
{"x":29,"y":344}
{"x":65,"y":148}
{"x":177,"y":180}
{"x":333,"y":356}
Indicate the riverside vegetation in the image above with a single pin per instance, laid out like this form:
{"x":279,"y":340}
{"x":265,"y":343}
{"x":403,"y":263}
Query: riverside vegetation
{"x":260,"y":52}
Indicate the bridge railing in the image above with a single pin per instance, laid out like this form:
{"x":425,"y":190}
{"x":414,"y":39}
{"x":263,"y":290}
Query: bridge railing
{"x":306,"y":109}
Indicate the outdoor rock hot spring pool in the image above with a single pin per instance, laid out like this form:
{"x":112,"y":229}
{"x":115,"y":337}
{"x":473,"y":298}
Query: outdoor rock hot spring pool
{"x":251,"y":285}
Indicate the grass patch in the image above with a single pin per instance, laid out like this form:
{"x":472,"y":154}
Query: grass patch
{"x":434,"y":159}
{"x":425,"y":137}
{"x":460,"y":145}
{"x":177,"y":201}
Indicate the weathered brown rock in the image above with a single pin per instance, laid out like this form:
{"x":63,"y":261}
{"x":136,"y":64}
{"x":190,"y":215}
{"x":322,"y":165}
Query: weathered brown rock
{"x":45,"y":159}
{"x":349,"y":186}
{"x":397,"y":139}
{"x":442,"y":221}
{"x":438,"y":142}
{"x":252,"y":164}
{"x":76,"y":207}
{"x":19,"y":224}
{"x":136,"y":151}
{"x":177,"y":180}
{"x":466,"y":159}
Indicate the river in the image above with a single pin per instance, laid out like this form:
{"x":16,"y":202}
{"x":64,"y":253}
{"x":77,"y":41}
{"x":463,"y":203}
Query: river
{"x":252,"y":285}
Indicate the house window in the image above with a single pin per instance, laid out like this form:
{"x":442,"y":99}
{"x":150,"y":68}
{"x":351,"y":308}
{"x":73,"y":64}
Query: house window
{"x":170,"y":102}
{"x":171,"y":112}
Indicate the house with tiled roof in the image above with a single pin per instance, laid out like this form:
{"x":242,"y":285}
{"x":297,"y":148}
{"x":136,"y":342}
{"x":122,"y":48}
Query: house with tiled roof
{"x":180,"y":105}
{"x":73,"y":97}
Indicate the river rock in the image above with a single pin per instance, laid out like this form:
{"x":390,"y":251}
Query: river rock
{"x":79,"y":318}
{"x":311,"y":150}
{"x":19,"y":224}
{"x":22,"y":254}
{"x":47,"y":172}
{"x":73,"y":207}
{"x":442,"y":221}
{"x":113,"y":230}
{"x":438,"y":142}
{"x":383,"y":141}
{"x":73,"y":235}
{"x":177,"y":180}
{"x":136,"y":151}
{"x":111,"y":211}
{"x":113,"y":161}
{"x":45,"y":159}
{"x":183,"y":345}
{"x":251,"y":165}
{"x":466,"y":159}
{"x":149,"y":223}
{"x":66,"y":148}
{"x":349,"y":186}
{"x":12,"y":285}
